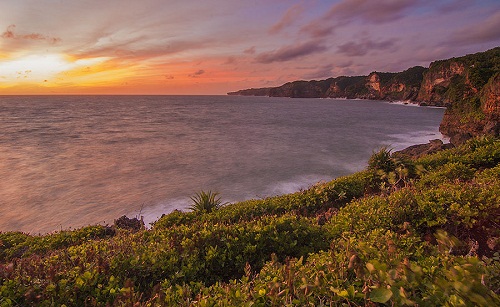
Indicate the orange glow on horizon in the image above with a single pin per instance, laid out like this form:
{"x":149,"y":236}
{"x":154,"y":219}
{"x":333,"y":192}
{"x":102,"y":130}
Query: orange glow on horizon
{"x":65,"y":74}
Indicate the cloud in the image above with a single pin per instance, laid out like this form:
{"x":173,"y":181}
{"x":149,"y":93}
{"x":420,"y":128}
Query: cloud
{"x":10,"y":34}
{"x":365,"y":46}
{"x":330,"y":70}
{"x":288,"y":53}
{"x":250,"y":50}
{"x":372,"y":11}
{"x":230,"y":60}
{"x":487,"y":31}
{"x":197,"y":73}
{"x":320,"y":73}
{"x":288,"y":18}
{"x":345,"y":64}
{"x":454,"y":5}
{"x":139,"y":47}
{"x":369,"y":11}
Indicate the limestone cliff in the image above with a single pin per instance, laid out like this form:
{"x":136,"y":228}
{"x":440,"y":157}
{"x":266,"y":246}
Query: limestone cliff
{"x":436,"y":81}
{"x":469,"y":87}
{"x":490,"y":101}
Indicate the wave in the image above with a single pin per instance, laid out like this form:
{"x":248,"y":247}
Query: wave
{"x":403,"y":140}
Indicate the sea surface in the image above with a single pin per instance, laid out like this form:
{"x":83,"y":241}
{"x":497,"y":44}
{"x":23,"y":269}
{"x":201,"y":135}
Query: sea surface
{"x":71,"y":161}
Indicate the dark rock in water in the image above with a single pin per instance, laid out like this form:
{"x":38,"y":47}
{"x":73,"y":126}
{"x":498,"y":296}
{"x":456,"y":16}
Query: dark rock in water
{"x":128,"y":223}
{"x":417,"y":151}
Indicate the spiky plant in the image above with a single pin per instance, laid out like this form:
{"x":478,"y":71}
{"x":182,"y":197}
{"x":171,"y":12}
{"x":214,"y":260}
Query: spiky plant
{"x":382,"y":160}
{"x":394,"y":170}
{"x":205,"y":202}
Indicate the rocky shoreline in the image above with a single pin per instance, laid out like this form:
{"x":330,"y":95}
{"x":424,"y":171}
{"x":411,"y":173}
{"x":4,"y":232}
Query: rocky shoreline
{"x":420,"y":150}
{"x":468,"y":86}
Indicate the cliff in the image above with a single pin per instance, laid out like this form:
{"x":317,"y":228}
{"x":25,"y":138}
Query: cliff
{"x":377,"y":85}
{"x":467,"y":86}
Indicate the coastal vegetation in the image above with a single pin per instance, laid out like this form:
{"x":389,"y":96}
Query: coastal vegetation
{"x":402,"y":232}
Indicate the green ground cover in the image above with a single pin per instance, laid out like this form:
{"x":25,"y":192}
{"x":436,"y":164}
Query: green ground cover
{"x":402,"y":232}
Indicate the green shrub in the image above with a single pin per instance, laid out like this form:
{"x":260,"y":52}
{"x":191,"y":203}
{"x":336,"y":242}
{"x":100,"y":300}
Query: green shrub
{"x":205,"y":202}
{"x":374,"y":248}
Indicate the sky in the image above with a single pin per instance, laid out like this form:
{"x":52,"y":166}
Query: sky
{"x":207,"y":47}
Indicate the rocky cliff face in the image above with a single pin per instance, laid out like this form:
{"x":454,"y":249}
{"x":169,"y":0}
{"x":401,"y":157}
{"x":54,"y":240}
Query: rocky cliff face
{"x":474,"y":115}
{"x":490,"y":102}
{"x":436,"y":81}
{"x":377,"y":85}
{"x":468,"y":86}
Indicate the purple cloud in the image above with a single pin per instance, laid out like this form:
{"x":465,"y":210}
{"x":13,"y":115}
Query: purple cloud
{"x":230,"y":60}
{"x":487,"y":31}
{"x":10,"y":34}
{"x":365,"y":46}
{"x":288,"y":53}
{"x":288,"y":18}
{"x":455,"y":5}
{"x":250,"y":50}
{"x":320,"y":73}
{"x":372,"y":11}
{"x":369,"y":11}
{"x":197,"y":73}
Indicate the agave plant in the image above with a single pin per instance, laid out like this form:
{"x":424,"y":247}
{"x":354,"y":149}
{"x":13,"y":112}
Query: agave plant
{"x":205,"y":202}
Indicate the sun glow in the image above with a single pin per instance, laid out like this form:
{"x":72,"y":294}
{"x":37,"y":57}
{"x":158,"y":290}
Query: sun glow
{"x":41,"y":68}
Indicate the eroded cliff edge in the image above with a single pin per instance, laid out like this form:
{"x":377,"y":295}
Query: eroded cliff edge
{"x":468,"y":86}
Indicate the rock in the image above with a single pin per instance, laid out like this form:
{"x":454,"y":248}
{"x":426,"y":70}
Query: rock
{"x":436,"y":81}
{"x":417,"y":151}
{"x":133,"y":224}
{"x":491,"y":98}
{"x":460,"y":138}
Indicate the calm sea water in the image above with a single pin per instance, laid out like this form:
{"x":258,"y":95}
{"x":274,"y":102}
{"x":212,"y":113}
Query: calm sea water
{"x":70,"y":161}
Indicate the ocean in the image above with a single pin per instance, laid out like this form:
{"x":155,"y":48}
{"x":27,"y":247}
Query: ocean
{"x":71,"y":161}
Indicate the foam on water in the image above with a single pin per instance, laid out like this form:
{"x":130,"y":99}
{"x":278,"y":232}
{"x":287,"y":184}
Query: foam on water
{"x":399,"y":141}
{"x":152,"y":213}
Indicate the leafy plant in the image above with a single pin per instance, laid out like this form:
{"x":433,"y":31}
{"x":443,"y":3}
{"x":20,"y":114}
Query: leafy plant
{"x":205,"y":202}
{"x":393,"y":171}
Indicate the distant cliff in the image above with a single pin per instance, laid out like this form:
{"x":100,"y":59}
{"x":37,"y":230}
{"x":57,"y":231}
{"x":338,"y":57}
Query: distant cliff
{"x":378,"y":85}
{"x":468,"y":86}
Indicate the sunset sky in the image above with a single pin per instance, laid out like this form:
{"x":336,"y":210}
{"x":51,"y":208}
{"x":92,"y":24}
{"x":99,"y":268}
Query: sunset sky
{"x":216,"y":46}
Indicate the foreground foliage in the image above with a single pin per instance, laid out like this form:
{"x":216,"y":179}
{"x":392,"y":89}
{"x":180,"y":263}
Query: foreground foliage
{"x":402,"y":232}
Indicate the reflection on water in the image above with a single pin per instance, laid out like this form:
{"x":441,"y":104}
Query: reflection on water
{"x":69,"y":161}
